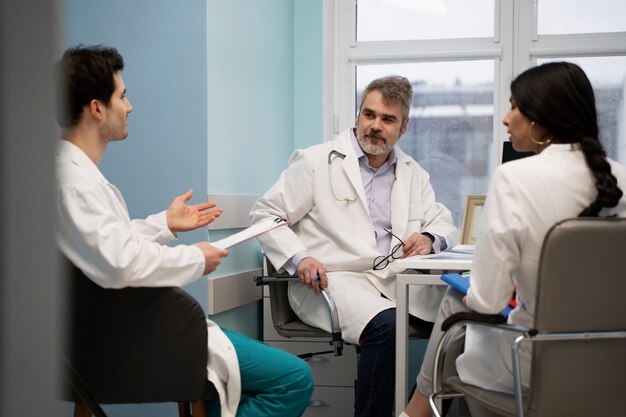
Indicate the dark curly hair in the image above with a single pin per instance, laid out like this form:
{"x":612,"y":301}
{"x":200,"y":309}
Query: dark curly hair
{"x":559,"y":96}
{"x":85,"y":73}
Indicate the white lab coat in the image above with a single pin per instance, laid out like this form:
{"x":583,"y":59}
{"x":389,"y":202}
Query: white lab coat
{"x":341,"y":236}
{"x":525,"y":199}
{"x":96,"y":234}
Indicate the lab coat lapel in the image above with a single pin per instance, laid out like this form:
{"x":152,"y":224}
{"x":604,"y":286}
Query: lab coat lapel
{"x":350,"y":166}
{"x":400,"y":199}
{"x":119,"y":196}
{"x":400,"y":196}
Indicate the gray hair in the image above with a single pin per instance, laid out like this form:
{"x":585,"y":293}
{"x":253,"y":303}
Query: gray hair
{"x":395,"y":89}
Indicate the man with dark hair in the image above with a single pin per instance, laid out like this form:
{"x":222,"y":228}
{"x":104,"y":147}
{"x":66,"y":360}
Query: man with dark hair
{"x":96,"y":234}
{"x":354,"y":206}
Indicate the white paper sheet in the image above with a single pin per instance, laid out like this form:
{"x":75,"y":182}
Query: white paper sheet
{"x":249,"y":233}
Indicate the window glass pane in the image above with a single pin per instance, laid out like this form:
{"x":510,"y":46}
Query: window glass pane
{"x":608,"y":77}
{"x":383,"y":20}
{"x":580,"y":16}
{"x":450,"y":125}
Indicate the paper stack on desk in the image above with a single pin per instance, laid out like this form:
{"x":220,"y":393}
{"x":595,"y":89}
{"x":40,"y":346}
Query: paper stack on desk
{"x":467,"y":249}
{"x":249,"y":233}
{"x":457,"y":252}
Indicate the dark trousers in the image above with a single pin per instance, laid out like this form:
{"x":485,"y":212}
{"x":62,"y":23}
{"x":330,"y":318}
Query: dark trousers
{"x":377,"y":367}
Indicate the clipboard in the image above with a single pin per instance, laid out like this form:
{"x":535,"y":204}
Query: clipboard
{"x":252,"y":231}
{"x":461,"y":283}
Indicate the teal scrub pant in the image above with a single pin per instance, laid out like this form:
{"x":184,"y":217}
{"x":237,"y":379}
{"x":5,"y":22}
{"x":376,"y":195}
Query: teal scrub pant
{"x":273,"y":382}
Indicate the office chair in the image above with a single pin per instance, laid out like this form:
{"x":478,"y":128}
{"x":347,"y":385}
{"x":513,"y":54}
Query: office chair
{"x":288,"y":324}
{"x":578,"y":365}
{"x":134,"y":345}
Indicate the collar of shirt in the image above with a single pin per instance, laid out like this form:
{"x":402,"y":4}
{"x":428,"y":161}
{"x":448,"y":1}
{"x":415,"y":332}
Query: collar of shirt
{"x":79,"y":157}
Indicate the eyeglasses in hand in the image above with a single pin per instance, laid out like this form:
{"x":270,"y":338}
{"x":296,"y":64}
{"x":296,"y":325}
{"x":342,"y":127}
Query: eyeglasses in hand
{"x":381,"y":262}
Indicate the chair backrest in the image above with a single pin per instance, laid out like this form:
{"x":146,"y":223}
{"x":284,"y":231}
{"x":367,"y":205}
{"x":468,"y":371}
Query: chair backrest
{"x":136,"y":345}
{"x":284,"y":319}
{"x":581,"y":286}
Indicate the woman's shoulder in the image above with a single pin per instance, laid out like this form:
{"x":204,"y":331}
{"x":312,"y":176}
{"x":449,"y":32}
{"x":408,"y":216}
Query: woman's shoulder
{"x":551,"y":158}
{"x":518,"y":166}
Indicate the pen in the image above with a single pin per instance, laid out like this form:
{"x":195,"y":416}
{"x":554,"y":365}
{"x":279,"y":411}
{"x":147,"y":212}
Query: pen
{"x":316,"y":278}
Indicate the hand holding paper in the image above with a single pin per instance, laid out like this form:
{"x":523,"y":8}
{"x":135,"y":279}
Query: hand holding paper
{"x":250,"y":232}
{"x":212,"y":256}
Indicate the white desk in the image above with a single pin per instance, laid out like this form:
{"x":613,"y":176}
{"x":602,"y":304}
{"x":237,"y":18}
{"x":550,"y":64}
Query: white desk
{"x":435,"y":267}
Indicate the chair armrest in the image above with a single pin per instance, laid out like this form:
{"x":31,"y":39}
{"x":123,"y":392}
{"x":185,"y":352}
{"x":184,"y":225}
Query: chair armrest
{"x":472,"y":316}
{"x":463,"y":319}
{"x":281,"y":309}
{"x":479,"y":319}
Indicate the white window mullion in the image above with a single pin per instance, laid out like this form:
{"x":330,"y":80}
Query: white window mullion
{"x":329,"y":45}
{"x":504,"y":73}
{"x":424,"y":51}
{"x":589,"y":44}
{"x":345,"y":30}
{"x":524,"y":21}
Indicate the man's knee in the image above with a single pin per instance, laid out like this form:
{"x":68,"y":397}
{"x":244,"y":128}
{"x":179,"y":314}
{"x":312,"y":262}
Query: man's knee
{"x":301,"y":385}
{"x":305,"y":377}
{"x":381,"y":328}
{"x":300,"y":377}
{"x":451,"y":303}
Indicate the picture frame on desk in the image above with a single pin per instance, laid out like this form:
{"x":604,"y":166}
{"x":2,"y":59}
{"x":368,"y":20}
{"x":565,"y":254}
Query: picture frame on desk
{"x":471,"y":219}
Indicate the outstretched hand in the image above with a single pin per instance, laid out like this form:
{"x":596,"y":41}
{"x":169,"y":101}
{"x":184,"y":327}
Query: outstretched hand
{"x":182,"y":217}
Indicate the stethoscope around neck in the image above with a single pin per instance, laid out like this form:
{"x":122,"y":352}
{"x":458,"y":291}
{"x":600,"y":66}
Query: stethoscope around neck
{"x":331,"y":157}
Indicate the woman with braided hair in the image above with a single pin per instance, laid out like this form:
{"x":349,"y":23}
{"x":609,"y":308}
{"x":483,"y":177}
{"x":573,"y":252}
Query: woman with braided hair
{"x":553,"y":114}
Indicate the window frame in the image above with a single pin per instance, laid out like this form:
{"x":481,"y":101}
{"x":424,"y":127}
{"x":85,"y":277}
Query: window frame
{"x":515,"y":46}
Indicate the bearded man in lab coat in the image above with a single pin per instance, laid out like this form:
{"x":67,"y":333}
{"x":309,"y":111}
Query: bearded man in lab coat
{"x":354,"y":205}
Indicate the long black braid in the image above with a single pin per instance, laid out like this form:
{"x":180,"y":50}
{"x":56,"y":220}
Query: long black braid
{"x":609,"y":193}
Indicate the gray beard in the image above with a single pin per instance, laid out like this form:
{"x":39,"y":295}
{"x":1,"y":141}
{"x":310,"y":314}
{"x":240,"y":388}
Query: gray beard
{"x":372,"y":149}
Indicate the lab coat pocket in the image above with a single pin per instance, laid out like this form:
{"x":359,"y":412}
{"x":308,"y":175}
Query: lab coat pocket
{"x":416,"y":212}
{"x":416,"y":217}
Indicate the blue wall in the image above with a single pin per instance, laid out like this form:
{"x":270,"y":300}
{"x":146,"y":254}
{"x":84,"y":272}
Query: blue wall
{"x":251,"y":100}
{"x":308,"y":82}
{"x":264,"y":100}
{"x":250,"y":117}
{"x":264,"y":89}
